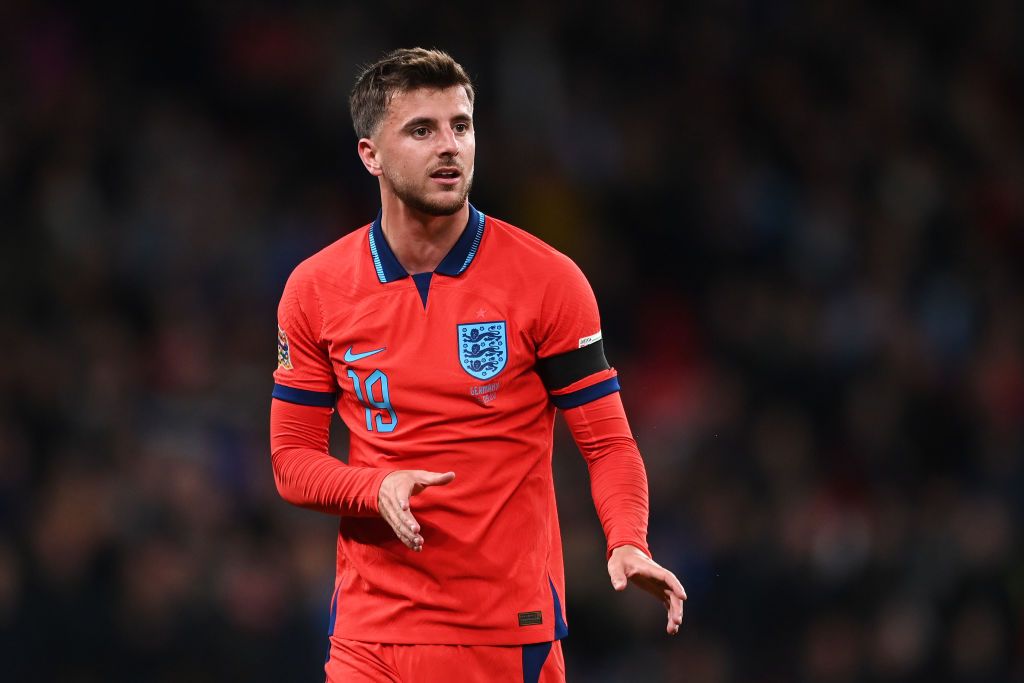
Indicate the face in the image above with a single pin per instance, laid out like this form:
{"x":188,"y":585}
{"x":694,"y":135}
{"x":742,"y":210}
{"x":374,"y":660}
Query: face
{"x":425,"y":149}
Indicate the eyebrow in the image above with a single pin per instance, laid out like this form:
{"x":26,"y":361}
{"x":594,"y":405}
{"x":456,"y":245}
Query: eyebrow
{"x":426,"y":120}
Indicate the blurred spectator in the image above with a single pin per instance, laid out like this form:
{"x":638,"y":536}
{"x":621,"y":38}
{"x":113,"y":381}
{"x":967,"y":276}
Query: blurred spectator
{"x":806,"y":223}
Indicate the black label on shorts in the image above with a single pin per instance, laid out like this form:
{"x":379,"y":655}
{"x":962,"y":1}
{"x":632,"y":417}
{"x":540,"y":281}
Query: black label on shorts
{"x":530,"y":618}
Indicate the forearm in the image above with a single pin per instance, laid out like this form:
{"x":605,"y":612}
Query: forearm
{"x":618,"y":479}
{"x":307,"y":475}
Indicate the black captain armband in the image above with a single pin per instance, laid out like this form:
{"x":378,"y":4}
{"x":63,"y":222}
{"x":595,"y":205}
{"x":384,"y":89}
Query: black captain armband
{"x":303,"y":397}
{"x":558,"y":372}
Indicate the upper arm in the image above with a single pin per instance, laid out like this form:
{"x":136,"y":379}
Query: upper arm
{"x":304,"y":374}
{"x":570,"y":349}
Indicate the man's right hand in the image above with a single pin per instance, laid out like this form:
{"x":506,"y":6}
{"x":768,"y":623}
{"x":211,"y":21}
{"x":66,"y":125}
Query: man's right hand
{"x":393,"y":501}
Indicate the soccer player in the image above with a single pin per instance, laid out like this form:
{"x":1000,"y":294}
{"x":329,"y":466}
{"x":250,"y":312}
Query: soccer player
{"x":446,"y":340}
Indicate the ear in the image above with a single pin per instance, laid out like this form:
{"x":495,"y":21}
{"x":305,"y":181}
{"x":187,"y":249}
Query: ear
{"x":368,"y":155}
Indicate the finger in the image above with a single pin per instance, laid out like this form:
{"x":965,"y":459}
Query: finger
{"x":675,"y":615}
{"x":397,"y":514}
{"x":407,"y":519}
{"x":675,"y":609}
{"x":652,"y":584}
{"x":672,"y":604}
{"x":412,"y":528}
{"x":659,"y":578}
{"x":388,"y":513}
{"x":403,"y":513}
{"x":675,"y":585}
{"x":662,"y":584}
{"x":404,"y":531}
{"x":398,"y":506}
{"x":412,"y":541}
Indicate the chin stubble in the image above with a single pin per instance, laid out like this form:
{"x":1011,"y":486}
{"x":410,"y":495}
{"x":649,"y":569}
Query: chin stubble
{"x":420,"y":203}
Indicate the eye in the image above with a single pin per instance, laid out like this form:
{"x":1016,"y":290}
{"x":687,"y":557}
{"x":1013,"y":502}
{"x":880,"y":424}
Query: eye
{"x":420,"y":132}
{"x":461,"y":127}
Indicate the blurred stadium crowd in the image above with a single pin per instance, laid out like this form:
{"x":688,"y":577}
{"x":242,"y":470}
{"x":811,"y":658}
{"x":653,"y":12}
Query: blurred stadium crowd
{"x":805,"y":226}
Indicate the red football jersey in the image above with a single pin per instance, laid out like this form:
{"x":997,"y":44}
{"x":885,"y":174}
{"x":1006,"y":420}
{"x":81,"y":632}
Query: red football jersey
{"x":443,"y":371}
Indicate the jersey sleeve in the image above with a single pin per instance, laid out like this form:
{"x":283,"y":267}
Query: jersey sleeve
{"x":307,"y":475}
{"x":304,"y":374}
{"x":618,"y":479}
{"x":570,"y":350}
{"x":304,"y":391}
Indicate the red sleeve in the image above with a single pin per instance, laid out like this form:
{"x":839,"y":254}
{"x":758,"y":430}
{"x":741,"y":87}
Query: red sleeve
{"x":304,"y":373}
{"x":569,"y":319}
{"x":618,"y":480}
{"x":307,"y":475}
{"x":570,"y":352}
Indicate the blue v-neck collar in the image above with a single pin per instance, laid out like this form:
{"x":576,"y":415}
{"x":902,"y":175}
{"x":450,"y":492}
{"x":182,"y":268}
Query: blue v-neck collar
{"x":454,"y":263}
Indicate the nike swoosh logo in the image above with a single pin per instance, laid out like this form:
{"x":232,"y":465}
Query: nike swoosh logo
{"x":349,"y":356}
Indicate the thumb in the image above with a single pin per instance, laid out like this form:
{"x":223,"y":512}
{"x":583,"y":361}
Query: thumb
{"x":618,"y":576}
{"x":434,"y":478}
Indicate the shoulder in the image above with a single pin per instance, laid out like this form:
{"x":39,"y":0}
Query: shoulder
{"x":321,"y":285}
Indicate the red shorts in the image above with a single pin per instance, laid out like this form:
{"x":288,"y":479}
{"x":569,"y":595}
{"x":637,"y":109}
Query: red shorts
{"x":352,"y":661}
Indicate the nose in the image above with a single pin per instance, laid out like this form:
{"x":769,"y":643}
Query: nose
{"x":447,"y":143}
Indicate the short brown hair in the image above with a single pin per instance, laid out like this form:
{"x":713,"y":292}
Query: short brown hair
{"x":400,"y":71}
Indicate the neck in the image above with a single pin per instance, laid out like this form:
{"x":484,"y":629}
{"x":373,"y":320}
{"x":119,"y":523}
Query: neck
{"x":419,"y":241}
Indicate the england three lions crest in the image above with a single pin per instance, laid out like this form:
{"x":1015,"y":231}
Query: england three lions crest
{"x":483,"y":349}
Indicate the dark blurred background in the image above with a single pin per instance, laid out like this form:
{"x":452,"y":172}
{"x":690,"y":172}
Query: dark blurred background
{"x":805,"y":226}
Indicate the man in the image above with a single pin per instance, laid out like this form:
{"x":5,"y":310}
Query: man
{"x":446,"y":339}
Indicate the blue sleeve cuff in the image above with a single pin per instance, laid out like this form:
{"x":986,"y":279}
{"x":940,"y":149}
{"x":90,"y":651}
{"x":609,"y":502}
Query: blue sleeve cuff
{"x":320,"y":399}
{"x":587,"y":394}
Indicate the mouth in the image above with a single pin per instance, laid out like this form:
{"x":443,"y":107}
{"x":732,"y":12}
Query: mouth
{"x":448,"y":175}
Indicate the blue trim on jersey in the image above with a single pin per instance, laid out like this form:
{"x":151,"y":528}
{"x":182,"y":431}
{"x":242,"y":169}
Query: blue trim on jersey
{"x":587,"y":394}
{"x":534,"y":656}
{"x":453,"y":264}
{"x":320,"y":399}
{"x":422,"y":281}
{"x":462,"y":254}
{"x":376,"y":258}
{"x":561,"y":629}
{"x":334,"y":611}
{"x":330,"y":623}
{"x":384,"y":260}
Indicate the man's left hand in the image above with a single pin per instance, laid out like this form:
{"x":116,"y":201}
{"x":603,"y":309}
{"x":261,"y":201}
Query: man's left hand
{"x":630,"y":564}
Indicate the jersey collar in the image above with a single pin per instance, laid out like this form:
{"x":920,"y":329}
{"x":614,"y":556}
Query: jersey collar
{"x":454,"y":263}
